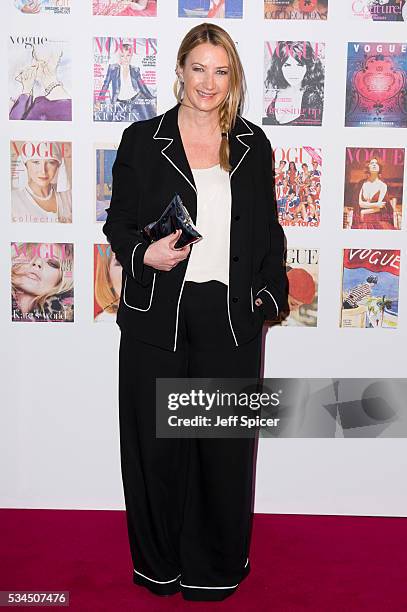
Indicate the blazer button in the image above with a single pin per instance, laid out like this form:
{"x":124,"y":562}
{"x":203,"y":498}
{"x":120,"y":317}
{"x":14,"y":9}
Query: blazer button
{"x":237,"y":217}
{"x":235,"y":258}
{"x":235,"y":299}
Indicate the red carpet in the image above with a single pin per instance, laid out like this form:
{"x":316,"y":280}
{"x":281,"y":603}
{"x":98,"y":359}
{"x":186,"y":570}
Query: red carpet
{"x":316,"y":563}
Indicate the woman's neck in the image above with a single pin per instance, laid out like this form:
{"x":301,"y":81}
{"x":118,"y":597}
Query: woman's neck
{"x":194,"y":120}
{"x":41,"y":192}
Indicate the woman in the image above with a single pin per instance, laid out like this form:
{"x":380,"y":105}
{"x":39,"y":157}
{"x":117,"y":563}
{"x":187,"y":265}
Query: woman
{"x":294,"y":85}
{"x":373,"y":206}
{"x":44,"y":69}
{"x":43,"y":194}
{"x":128,"y":88}
{"x":108,"y":283}
{"x":193,"y":312}
{"x":42,"y":282}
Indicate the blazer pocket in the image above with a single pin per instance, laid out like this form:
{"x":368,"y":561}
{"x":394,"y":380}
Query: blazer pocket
{"x":137,"y":297}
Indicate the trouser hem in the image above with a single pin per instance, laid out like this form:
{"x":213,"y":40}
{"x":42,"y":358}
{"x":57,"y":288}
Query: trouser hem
{"x":158,"y":587}
{"x":194,"y":592}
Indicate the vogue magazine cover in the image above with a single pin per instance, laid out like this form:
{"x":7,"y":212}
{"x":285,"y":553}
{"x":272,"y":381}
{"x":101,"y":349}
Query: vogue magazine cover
{"x":376,"y":80}
{"x":41,"y":181}
{"x":379,"y":10}
{"x":124,"y":79}
{"x":220,"y":9}
{"x":298,"y":180}
{"x":370,"y":288}
{"x":105,"y":154}
{"x":42,"y":287}
{"x":107,"y":283}
{"x":33,"y":7}
{"x":39,"y":78}
{"x":296,"y":9}
{"x":302,"y":274}
{"x":293,"y":83}
{"x":125,"y":8}
{"x":373,"y":188}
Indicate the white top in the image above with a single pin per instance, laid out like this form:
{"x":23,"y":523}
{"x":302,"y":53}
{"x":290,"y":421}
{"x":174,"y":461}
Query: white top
{"x":209,"y":259}
{"x":25,"y":209}
{"x":126,"y":87}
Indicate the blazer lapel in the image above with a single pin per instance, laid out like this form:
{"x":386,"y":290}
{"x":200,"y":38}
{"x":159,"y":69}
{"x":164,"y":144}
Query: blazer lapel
{"x":239,"y":140}
{"x":169,"y":136}
{"x":173,"y":149}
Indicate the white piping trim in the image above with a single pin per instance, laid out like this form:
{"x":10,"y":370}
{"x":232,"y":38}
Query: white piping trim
{"x":176,"y":318}
{"x":135,"y":307}
{"x":261,"y":290}
{"x":158,"y":581}
{"x":195,"y":586}
{"x":230,"y":322}
{"x":171,"y":140}
{"x":132,"y":255}
{"x":251,"y":298}
{"x":272,"y":297}
{"x":250,"y":133}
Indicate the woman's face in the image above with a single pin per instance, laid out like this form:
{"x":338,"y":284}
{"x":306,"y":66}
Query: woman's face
{"x":41,"y":275}
{"x":206,"y":77}
{"x":42,"y":172}
{"x":373,"y":165}
{"x":115,"y":273}
{"x":293,"y":72}
{"x":126,"y":55}
{"x":294,"y":303}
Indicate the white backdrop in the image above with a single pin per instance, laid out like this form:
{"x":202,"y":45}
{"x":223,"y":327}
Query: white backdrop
{"x":59,"y":416}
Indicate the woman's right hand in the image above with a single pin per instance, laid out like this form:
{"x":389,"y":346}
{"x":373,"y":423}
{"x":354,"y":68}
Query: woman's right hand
{"x":162,"y":255}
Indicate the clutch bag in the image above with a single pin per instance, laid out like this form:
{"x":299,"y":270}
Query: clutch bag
{"x":174,"y":217}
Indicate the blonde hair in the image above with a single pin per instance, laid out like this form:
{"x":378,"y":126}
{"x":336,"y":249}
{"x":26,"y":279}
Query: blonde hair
{"x":105,"y":295}
{"x":64,"y":283}
{"x":235,"y":98}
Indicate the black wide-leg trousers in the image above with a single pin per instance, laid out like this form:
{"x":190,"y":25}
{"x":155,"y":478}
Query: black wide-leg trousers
{"x":188,"y":500}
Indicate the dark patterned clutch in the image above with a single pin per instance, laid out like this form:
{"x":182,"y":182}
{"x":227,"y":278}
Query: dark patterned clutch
{"x":174,"y":217}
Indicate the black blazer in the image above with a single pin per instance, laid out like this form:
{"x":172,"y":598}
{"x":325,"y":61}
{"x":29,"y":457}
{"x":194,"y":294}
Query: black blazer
{"x":150,"y":167}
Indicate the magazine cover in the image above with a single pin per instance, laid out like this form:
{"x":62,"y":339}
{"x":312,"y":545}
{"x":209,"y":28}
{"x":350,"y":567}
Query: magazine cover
{"x":302,"y":274}
{"x":373,"y":188}
{"x":39,"y":79}
{"x":379,"y":10}
{"x":32,"y":7}
{"x":107,"y":283}
{"x":41,"y":181}
{"x":42,"y":287}
{"x":296,"y":9}
{"x":298,"y":178}
{"x":293,"y":82}
{"x":370,"y":288}
{"x":105,"y":154}
{"x":125,"y":8}
{"x":220,"y":9}
{"x":124,"y":79}
{"x":376,"y":85}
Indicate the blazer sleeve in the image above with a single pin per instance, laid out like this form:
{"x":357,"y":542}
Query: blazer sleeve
{"x":273,"y":275}
{"x":120,"y":228}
